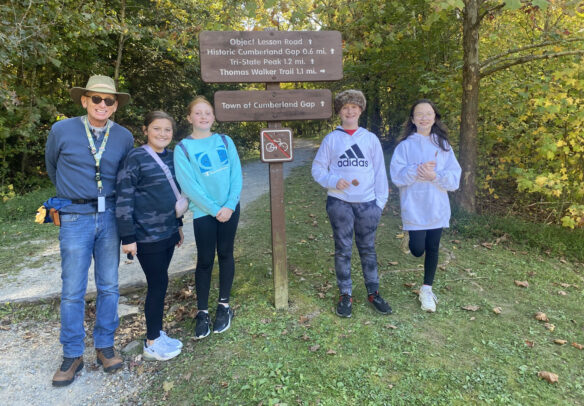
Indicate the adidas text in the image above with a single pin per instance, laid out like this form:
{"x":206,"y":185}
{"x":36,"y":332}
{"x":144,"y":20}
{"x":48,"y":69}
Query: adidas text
{"x":353,"y":162}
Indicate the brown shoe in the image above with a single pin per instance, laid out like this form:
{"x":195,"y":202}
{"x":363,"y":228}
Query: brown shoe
{"x":65,"y":375}
{"x":108,"y":358}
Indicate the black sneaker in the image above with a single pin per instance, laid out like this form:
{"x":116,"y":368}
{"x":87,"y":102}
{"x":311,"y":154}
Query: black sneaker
{"x":345,"y":306}
{"x":223,"y":318}
{"x":202,"y":327}
{"x":379,"y":304}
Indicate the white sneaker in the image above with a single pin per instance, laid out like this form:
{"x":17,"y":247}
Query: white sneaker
{"x":158,"y":351}
{"x":169,"y":341}
{"x":428,"y":299}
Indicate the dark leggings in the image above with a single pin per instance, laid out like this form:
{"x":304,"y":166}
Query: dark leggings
{"x":426,"y":241}
{"x":211,"y":234}
{"x":155,"y":267}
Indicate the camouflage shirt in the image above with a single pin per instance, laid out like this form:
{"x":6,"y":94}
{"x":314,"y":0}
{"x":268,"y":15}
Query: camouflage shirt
{"x":145,"y":200}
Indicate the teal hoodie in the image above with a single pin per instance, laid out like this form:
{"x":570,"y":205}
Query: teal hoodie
{"x":210,"y":175}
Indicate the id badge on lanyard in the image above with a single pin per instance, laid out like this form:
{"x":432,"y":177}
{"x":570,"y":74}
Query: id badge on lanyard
{"x":100,"y":204}
{"x":97,"y":156}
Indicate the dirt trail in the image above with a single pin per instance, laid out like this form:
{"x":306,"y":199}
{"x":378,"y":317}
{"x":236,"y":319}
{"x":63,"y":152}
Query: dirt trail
{"x":31,"y":352}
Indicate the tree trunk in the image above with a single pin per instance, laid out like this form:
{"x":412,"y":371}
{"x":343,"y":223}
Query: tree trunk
{"x":466,"y":196}
{"x":120,"y":44}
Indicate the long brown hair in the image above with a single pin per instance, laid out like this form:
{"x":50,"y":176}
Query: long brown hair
{"x":438,"y":128}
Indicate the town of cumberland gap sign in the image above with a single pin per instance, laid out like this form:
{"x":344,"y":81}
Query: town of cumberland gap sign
{"x":273,"y":105}
{"x":270,"y":56}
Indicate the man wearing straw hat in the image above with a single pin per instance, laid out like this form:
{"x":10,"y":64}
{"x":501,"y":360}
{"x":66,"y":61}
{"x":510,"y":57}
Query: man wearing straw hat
{"x":83,"y":155}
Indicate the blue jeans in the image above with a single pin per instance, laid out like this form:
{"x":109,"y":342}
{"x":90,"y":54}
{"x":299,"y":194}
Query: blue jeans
{"x":360,"y":219}
{"x":82,"y":237}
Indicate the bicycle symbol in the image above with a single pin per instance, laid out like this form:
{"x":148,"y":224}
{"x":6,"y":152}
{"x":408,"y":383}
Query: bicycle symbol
{"x":270,"y":147}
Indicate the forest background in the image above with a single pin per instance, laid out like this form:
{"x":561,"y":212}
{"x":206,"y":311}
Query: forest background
{"x":508,"y":76}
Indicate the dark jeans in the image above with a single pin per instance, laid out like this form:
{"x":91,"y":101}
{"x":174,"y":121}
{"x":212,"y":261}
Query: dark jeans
{"x":211,"y":235}
{"x":426,"y":241}
{"x":155,"y":267}
{"x":362,"y":220}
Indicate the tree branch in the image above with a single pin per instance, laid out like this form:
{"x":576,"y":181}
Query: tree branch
{"x":492,"y":59}
{"x":489,"y":11}
{"x":525,"y":59}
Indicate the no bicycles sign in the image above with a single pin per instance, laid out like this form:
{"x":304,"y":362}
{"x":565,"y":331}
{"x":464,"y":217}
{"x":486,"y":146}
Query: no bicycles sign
{"x":277,"y":145}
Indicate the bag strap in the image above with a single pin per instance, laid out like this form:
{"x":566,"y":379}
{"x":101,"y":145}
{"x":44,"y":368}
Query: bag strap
{"x":165,"y":169}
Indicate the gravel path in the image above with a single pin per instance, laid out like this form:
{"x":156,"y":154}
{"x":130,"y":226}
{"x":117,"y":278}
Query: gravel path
{"x":31,"y":352}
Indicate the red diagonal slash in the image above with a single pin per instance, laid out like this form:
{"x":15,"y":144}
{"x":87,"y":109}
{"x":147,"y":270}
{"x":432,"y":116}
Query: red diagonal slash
{"x":277,"y":145}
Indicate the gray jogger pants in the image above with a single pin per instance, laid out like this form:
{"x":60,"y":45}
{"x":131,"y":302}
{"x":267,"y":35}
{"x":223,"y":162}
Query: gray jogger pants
{"x":362,"y":219}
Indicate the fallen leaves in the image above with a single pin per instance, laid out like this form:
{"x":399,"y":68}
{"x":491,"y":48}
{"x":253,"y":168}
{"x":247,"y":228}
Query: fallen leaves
{"x":562,"y":293}
{"x":560,"y":342}
{"x":540,"y":316}
{"x":529,"y":343}
{"x":548,"y":376}
{"x":390,"y":326}
{"x":331,"y":352}
{"x":471,"y":308}
{"x":550,"y":326}
{"x":579,"y":346}
{"x":497,"y":310}
{"x":522,"y":284}
{"x":314,"y":348}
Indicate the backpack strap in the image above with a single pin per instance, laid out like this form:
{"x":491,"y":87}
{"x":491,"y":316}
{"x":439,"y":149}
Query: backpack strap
{"x":180,"y":144}
{"x":224,"y":140}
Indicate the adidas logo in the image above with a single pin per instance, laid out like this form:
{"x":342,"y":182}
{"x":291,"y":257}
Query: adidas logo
{"x":353,"y":157}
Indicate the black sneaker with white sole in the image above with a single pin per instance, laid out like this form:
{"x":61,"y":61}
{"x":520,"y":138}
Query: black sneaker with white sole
{"x":202,"y":327}
{"x":345,"y":306}
{"x":379,"y":304}
{"x":223,"y":318}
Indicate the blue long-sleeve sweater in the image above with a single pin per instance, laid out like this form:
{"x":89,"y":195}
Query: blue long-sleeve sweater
{"x":211,"y":174}
{"x":71,"y":167}
{"x":145,"y":200}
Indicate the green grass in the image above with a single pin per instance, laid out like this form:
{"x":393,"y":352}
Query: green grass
{"x":308,"y":355}
{"x":21,"y":239}
{"x":549,"y":239}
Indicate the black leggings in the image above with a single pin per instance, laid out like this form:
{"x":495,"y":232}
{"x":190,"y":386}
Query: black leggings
{"x":426,"y":241}
{"x":211,"y":234}
{"x":155,"y":267}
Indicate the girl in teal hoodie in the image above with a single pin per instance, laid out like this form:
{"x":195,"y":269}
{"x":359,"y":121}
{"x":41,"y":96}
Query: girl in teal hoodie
{"x":209,"y":173}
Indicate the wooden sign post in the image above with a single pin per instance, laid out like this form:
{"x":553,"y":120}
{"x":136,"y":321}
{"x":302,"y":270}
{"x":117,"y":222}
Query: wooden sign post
{"x":273,"y":57}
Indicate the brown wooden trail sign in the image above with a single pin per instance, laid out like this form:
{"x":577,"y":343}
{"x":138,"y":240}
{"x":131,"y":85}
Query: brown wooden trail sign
{"x":276,"y":105}
{"x":272,"y":57}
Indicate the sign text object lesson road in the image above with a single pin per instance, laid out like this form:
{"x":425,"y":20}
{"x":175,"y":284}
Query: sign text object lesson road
{"x":270,"y":56}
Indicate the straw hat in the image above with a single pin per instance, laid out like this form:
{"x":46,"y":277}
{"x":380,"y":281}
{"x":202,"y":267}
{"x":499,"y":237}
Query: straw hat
{"x":99,"y":84}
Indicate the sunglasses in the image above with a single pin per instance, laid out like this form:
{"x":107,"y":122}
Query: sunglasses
{"x":109,"y":101}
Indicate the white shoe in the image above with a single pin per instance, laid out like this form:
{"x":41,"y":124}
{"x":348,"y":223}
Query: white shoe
{"x":428,"y":299}
{"x":159,"y":351}
{"x":170,"y":342}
